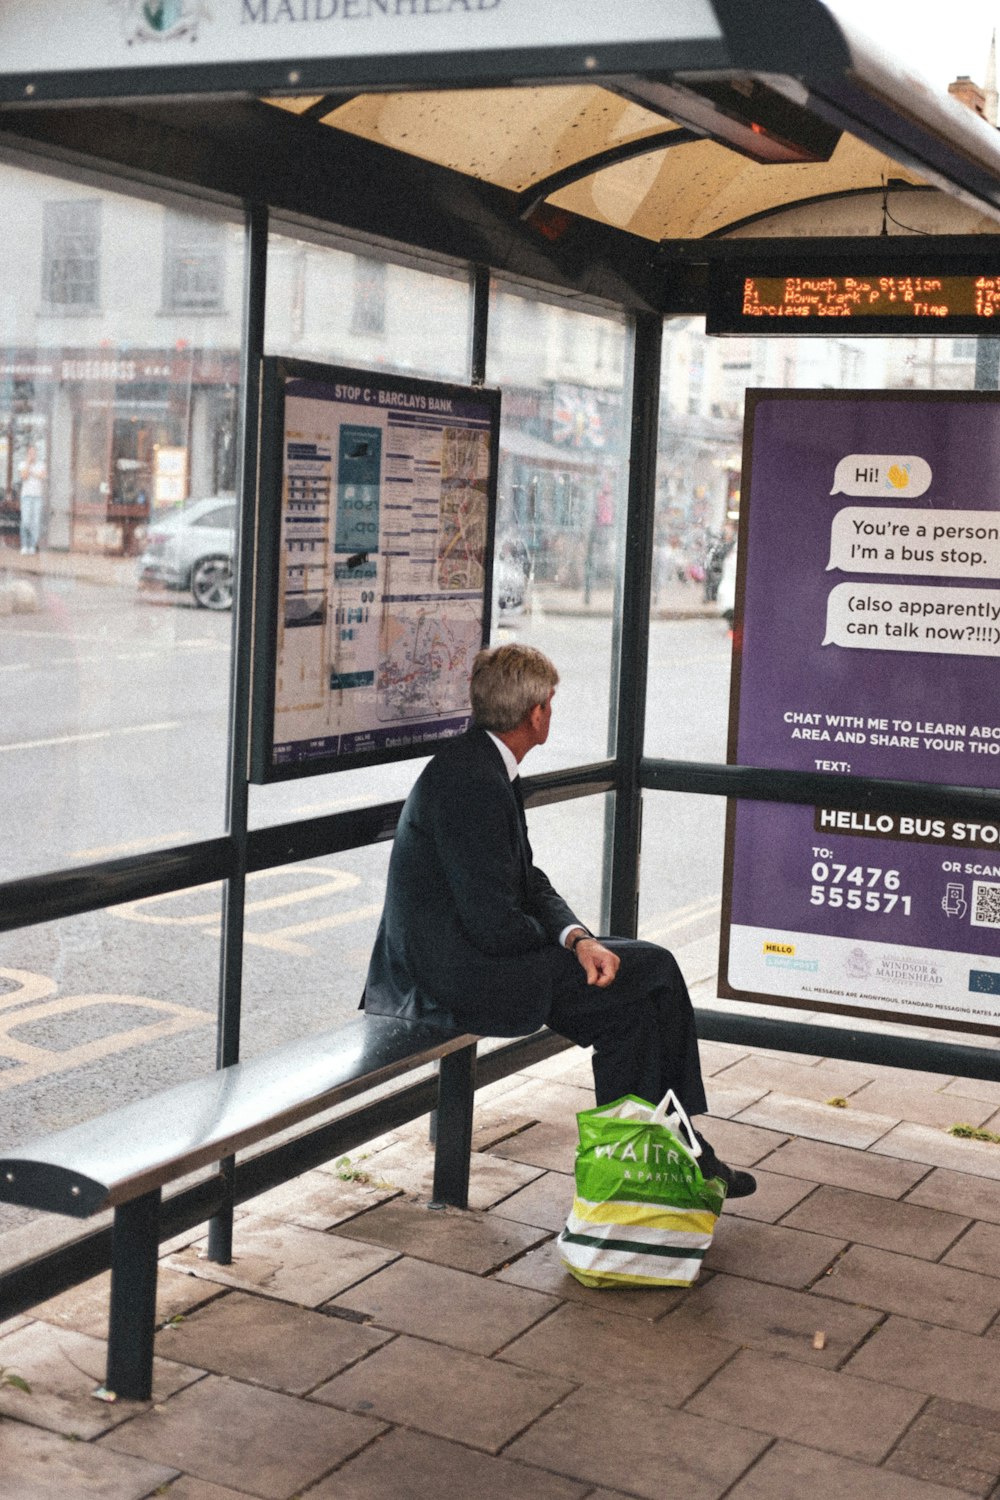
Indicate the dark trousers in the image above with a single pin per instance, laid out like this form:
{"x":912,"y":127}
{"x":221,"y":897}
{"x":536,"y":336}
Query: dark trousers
{"x":641,"y":1026}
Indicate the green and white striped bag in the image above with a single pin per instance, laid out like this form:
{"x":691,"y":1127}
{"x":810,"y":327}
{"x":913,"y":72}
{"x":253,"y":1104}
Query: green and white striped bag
{"x":643,"y":1214}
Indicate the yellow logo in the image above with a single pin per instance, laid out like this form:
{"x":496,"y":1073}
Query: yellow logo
{"x":788,"y":949}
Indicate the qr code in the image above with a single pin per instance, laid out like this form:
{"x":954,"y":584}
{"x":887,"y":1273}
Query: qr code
{"x":985,"y":904}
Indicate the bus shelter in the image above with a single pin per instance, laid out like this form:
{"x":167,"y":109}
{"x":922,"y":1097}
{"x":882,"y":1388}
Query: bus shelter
{"x":486,"y":195}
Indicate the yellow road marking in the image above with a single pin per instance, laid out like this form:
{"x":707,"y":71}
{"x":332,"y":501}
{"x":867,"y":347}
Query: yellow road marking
{"x":24,"y":1006}
{"x":109,"y":850}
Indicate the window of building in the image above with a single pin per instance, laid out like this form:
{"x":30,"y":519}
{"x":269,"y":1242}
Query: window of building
{"x":368,"y":313}
{"x":71,"y":256}
{"x":193,"y":264}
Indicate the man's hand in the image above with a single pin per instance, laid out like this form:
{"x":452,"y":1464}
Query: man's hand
{"x":600,"y":963}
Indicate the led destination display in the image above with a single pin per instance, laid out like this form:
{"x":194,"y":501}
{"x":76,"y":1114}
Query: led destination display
{"x":814,"y":302}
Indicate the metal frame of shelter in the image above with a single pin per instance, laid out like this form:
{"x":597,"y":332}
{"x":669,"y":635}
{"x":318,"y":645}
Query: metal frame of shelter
{"x":206,"y":129}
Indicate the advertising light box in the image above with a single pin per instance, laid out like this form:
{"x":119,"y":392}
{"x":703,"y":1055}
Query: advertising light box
{"x":375,"y":527}
{"x":867,"y":644}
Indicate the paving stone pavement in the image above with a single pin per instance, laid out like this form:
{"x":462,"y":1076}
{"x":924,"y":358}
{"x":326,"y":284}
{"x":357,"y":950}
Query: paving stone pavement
{"x":843,"y":1339}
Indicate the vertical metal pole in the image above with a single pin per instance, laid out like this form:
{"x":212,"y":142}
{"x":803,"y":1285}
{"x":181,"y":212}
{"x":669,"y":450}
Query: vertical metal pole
{"x":220,"y":1229}
{"x":456,"y":1098}
{"x":480,"y":323}
{"x":477,"y":374}
{"x":135,"y":1249}
{"x":633,"y":654}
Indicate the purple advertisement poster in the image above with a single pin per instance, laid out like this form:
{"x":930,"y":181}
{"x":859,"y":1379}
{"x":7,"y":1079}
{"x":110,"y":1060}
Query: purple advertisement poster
{"x":867,"y":641}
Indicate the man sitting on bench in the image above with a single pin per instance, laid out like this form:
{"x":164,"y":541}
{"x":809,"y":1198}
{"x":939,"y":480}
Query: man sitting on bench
{"x":473,"y":936}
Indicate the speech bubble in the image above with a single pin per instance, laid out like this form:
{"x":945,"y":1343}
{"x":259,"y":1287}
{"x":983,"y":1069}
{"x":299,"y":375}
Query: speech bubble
{"x":934,"y":543}
{"x":902,"y":474}
{"x":909,"y":617}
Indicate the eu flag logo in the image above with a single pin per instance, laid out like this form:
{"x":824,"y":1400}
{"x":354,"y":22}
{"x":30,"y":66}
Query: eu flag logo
{"x":984,"y":982}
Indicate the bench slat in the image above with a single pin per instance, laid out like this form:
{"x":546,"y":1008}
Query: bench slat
{"x":141,"y":1146}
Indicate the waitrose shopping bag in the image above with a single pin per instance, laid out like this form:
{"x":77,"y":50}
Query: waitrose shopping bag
{"x":643,"y":1214}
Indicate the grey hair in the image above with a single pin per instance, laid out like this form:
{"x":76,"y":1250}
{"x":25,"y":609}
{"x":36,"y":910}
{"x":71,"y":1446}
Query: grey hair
{"x":507,"y":682}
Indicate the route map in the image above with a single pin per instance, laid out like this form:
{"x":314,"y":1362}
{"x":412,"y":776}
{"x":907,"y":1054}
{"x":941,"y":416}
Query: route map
{"x":386,"y":515}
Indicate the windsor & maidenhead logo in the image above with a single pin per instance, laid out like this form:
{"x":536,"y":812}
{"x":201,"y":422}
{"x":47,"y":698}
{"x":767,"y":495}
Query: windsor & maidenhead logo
{"x":160,"y":20}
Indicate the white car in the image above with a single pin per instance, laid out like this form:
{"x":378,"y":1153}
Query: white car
{"x":192,"y":548}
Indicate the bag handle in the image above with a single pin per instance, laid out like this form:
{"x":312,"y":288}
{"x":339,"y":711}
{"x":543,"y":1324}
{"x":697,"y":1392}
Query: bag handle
{"x":671,"y":1105}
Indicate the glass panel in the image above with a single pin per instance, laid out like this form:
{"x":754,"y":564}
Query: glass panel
{"x":561,"y":503}
{"x":330,"y":305}
{"x":117,"y":420}
{"x":696,"y":527}
{"x":310,"y":927}
{"x":96,"y":1011}
{"x":681,"y":883}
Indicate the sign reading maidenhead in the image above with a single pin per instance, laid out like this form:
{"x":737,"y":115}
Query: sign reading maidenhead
{"x":55,"y":50}
{"x":377,"y":504}
{"x":868,"y":631}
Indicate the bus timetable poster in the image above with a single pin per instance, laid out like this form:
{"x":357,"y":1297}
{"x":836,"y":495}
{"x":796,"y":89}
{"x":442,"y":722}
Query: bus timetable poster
{"x":377,"y":506}
{"x":868,"y":638}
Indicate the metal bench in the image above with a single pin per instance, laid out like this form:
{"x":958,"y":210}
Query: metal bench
{"x":124,"y":1158}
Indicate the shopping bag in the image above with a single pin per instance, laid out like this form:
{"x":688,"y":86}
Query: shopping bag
{"x":643,"y":1214}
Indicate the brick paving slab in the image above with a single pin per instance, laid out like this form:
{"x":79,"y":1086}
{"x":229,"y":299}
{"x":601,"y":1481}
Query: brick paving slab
{"x":247,"y":1439}
{"x":85,"y":1308}
{"x":413,"y":1466}
{"x":782,"y":1075}
{"x":725,"y":1101}
{"x":268,"y":1343}
{"x":39,"y":1465}
{"x":187,"y":1488}
{"x":790,"y":1472}
{"x":446,"y":1392}
{"x":938,"y":1361}
{"x":11,"y":1325}
{"x":921,"y":1143}
{"x":410,"y":1167}
{"x":572,"y":1065}
{"x":775,"y":1196}
{"x":740,"y":1145}
{"x":63,"y":1369}
{"x":825,"y":1409}
{"x":841,"y":1127}
{"x":768,"y":1252}
{"x":954,"y":1444}
{"x":959,"y":1193}
{"x":436,"y":1302}
{"x":883,"y":1222}
{"x":657,"y":1453}
{"x":550,"y":1145}
{"x":718,"y":1055}
{"x":468,"y":1241}
{"x":320,"y":1199}
{"x":543,"y":1271}
{"x":840,"y":1166}
{"x":923,"y":1106}
{"x":774,"y":1319}
{"x":979,"y":1250}
{"x":915,"y":1288}
{"x":544,"y":1203}
{"x":297,"y":1265}
{"x":975,"y":1088}
{"x":592,"y":1345}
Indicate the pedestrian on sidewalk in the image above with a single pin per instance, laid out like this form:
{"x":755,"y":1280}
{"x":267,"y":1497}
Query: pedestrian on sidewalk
{"x":32,"y":475}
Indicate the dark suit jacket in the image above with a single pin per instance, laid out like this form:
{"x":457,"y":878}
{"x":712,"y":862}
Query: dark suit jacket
{"x":467,"y":912}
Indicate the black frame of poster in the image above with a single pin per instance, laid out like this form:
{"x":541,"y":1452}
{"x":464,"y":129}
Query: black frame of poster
{"x":275,"y":374}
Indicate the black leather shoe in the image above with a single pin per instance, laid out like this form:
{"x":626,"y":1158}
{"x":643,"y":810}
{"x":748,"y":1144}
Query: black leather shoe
{"x":739,"y":1184}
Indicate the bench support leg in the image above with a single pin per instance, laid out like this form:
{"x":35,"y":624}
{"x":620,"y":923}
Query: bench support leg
{"x":456,"y":1096}
{"x":134,"y":1253}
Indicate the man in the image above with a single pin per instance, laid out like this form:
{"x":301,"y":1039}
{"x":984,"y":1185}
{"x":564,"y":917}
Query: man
{"x":474,"y":937}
